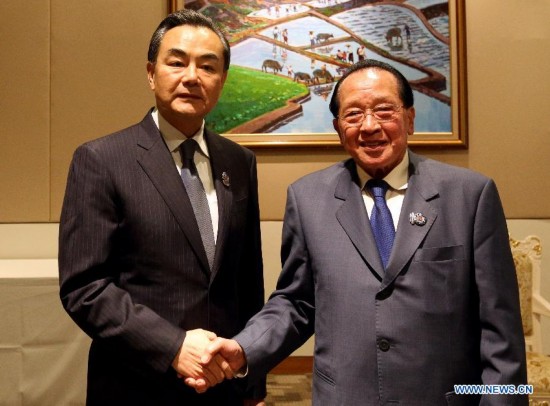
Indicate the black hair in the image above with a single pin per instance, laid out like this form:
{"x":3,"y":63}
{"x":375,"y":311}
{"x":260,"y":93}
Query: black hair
{"x":404,"y":88}
{"x":186,"y":17}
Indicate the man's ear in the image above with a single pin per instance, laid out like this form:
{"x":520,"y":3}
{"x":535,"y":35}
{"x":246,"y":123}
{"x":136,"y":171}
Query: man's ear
{"x":336,"y":127}
{"x":151,"y":75}
{"x":411,"y":113}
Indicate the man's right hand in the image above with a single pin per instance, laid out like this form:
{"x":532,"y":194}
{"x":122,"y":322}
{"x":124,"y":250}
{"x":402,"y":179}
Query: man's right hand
{"x":187,"y":361}
{"x":220,"y":348}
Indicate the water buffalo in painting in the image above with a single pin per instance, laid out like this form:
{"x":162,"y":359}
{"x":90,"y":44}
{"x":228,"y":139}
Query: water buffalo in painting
{"x":303,"y":77}
{"x":394,"y":38}
{"x":322,"y":74}
{"x":271,"y":64}
{"x":324,"y":36}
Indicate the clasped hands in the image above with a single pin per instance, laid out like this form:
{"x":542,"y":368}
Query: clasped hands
{"x":204,"y":360}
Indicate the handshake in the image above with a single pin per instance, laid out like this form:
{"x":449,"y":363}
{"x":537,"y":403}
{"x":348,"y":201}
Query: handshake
{"x":204,"y":360}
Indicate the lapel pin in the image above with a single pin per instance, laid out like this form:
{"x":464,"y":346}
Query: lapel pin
{"x":417,"y":219}
{"x":225,"y":179}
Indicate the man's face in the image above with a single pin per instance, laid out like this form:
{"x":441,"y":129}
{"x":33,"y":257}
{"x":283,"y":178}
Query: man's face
{"x":188,"y":76}
{"x":376,"y":147}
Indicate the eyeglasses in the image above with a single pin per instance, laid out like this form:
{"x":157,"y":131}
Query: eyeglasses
{"x":382,"y":113}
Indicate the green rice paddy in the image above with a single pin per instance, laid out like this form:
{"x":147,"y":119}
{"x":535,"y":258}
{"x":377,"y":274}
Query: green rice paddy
{"x":248,"y":94}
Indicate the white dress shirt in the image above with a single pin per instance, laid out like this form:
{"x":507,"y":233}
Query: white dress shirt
{"x":174,"y":139}
{"x":398,"y":179}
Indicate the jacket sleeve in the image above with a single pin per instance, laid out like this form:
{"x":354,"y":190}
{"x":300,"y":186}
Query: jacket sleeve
{"x":287,"y":319}
{"x":251,"y":279}
{"x":502,"y":346}
{"x":88,"y":275}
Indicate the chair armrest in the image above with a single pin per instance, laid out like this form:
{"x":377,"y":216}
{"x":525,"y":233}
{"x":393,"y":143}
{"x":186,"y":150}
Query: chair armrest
{"x":541,"y":305}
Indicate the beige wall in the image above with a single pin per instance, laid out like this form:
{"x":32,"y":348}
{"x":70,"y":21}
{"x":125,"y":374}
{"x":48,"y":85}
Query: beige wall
{"x":75,"y":70}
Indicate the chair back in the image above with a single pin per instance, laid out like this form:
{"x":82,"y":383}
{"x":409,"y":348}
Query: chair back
{"x":527,"y":259}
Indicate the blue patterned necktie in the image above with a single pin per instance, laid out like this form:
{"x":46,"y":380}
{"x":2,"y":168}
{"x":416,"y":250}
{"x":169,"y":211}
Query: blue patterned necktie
{"x":197,"y":195}
{"x":381,"y":220}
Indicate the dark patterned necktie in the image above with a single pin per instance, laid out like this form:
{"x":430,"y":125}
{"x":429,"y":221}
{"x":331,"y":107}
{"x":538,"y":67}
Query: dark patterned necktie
{"x":381,"y":220}
{"x":197,"y":195}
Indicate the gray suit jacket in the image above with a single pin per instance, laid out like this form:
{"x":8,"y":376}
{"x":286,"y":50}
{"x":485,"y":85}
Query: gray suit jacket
{"x":133,"y":271}
{"x":445,"y":312}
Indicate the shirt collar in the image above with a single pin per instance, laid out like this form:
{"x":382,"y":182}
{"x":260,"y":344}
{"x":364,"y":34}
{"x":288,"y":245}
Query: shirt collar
{"x":174,"y":138}
{"x":398,"y":178}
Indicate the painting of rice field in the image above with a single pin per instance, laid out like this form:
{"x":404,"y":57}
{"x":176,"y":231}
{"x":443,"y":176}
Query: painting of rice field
{"x":286,"y":57}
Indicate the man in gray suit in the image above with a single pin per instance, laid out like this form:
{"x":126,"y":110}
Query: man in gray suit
{"x":403,"y":320}
{"x":144,"y":267}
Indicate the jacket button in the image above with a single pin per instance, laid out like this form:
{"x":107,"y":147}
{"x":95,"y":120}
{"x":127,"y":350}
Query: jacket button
{"x":383,"y":345}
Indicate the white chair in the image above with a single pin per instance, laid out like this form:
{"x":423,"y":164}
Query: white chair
{"x":527,"y":259}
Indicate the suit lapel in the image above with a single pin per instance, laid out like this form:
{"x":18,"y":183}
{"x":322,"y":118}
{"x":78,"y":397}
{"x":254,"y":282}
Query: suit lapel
{"x":352,"y":216}
{"x":420,"y":192}
{"x":220,"y":165}
{"x":157,"y":162}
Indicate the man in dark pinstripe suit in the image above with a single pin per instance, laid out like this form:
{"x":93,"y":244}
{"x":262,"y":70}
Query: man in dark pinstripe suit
{"x":134,"y":272}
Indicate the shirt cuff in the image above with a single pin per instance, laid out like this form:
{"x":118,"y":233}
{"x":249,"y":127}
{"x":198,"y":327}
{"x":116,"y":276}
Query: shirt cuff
{"x":242,"y":373}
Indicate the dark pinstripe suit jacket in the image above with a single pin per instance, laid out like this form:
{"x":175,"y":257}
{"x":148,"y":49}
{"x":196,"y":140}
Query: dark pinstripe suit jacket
{"x":133,"y":271}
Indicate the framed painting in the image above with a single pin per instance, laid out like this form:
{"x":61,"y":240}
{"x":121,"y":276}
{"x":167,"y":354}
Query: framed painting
{"x":286,"y":57}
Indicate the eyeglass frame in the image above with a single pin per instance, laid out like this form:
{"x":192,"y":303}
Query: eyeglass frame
{"x":366,"y":113}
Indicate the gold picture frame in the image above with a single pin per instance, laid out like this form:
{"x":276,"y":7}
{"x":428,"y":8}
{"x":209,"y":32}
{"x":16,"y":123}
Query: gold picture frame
{"x":454,"y":96}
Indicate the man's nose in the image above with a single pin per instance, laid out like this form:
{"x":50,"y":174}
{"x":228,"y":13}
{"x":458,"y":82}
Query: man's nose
{"x":369,"y":123}
{"x":190,"y":74}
